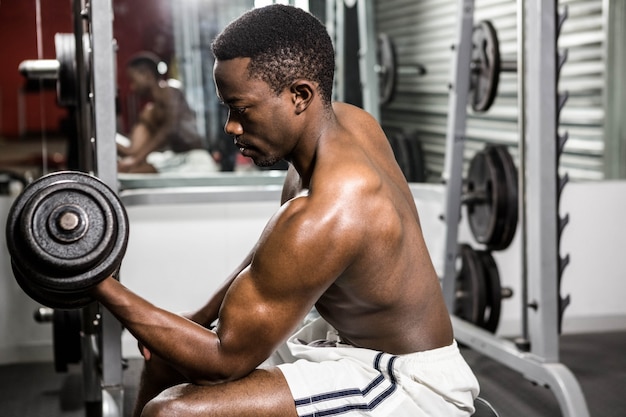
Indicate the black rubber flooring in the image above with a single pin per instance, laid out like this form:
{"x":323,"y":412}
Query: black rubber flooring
{"x":597,"y":360}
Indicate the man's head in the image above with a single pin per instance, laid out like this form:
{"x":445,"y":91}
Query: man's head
{"x":143,"y":72}
{"x":284,"y":44}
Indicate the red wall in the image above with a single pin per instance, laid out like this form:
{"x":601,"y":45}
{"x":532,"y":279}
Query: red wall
{"x":138,"y":25}
{"x":18,"y":42}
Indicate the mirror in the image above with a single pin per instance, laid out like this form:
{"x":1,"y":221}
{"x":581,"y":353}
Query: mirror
{"x":178,"y":35}
{"x":34,"y":129}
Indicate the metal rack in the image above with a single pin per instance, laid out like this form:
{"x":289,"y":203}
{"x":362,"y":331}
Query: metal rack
{"x":542,"y":146}
{"x":102,"y":351}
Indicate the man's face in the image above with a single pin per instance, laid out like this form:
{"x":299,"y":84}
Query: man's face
{"x":140,"y":81}
{"x":258,"y":119}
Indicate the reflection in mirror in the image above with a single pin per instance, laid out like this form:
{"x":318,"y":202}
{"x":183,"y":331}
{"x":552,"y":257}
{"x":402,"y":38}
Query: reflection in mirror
{"x":170,"y":120}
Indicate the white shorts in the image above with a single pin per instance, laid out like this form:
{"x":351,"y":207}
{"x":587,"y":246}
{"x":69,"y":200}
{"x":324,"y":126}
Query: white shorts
{"x":196,"y":160}
{"x":347,"y":381}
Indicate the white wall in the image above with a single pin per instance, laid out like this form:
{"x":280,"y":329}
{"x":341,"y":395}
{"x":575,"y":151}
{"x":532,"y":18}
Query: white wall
{"x":21,"y":338}
{"x":177,"y":255}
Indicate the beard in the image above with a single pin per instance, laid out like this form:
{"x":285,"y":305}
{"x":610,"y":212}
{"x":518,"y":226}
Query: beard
{"x":267,"y":161}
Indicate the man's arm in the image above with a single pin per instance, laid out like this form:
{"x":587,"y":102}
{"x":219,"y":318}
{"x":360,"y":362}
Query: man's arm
{"x":262,"y":306}
{"x":163,"y":122}
{"x":209,"y":312}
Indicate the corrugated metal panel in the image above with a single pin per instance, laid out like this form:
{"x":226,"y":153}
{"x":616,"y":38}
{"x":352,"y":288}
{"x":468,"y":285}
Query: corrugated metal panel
{"x":423,"y":32}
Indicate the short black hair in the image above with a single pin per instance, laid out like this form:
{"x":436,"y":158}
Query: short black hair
{"x":284,"y":43}
{"x":146,"y":61}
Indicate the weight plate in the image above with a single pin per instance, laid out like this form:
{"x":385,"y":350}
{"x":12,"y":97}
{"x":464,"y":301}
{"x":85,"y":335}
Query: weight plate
{"x":67,"y":78}
{"x":491,"y":197}
{"x":486,"y":65}
{"x":418,"y":166}
{"x":387,"y":69}
{"x":508,"y":216}
{"x":470,"y":294}
{"x":403,"y":155}
{"x":482,"y":197}
{"x":52,"y":299}
{"x":491,"y":276}
{"x":70,"y":225}
{"x":65,"y":47}
{"x":66,"y":232}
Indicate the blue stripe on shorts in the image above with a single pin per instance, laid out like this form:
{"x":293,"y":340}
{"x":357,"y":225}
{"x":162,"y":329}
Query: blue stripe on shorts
{"x":364,"y":404}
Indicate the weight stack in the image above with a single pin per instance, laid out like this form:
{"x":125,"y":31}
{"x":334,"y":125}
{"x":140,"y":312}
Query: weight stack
{"x":562,"y":180}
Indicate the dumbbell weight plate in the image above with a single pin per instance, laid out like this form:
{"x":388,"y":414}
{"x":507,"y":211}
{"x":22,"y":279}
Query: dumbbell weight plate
{"x":66,"y":232}
{"x":58,"y":300}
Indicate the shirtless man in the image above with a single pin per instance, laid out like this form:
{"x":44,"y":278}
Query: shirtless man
{"x":165,"y":138}
{"x":346,"y":240}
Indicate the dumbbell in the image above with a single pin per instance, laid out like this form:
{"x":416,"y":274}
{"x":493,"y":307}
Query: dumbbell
{"x":66,"y":232}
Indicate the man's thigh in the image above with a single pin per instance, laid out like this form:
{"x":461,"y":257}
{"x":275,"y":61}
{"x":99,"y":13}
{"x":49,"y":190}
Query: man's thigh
{"x":262,"y":393}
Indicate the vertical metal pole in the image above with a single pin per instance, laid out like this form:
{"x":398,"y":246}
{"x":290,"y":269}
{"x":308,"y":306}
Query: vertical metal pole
{"x":104,"y":82}
{"x":455,"y":142}
{"x":614,"y":12}
{"x":541,"y":197}
{"x":521,"y":128}
{"x":367,"y":57}
{"x":85,"y":157}
{"x":85,"y":162}
{"x":191,"y":67}
{"x":335,"y":11}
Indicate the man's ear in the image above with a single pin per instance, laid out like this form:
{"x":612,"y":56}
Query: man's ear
{"x":303,"y":93}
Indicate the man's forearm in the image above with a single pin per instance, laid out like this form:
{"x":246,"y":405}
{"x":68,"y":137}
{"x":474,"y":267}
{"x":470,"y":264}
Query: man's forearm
{"x":152,"y":144}
{"x":187,"y":346}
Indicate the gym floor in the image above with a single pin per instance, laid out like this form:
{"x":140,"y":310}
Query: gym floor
{"x":597,"y":360}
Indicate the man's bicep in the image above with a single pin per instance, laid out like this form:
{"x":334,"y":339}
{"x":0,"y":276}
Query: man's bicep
{"x":254,"y":321}
{"x":297,"y":258}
